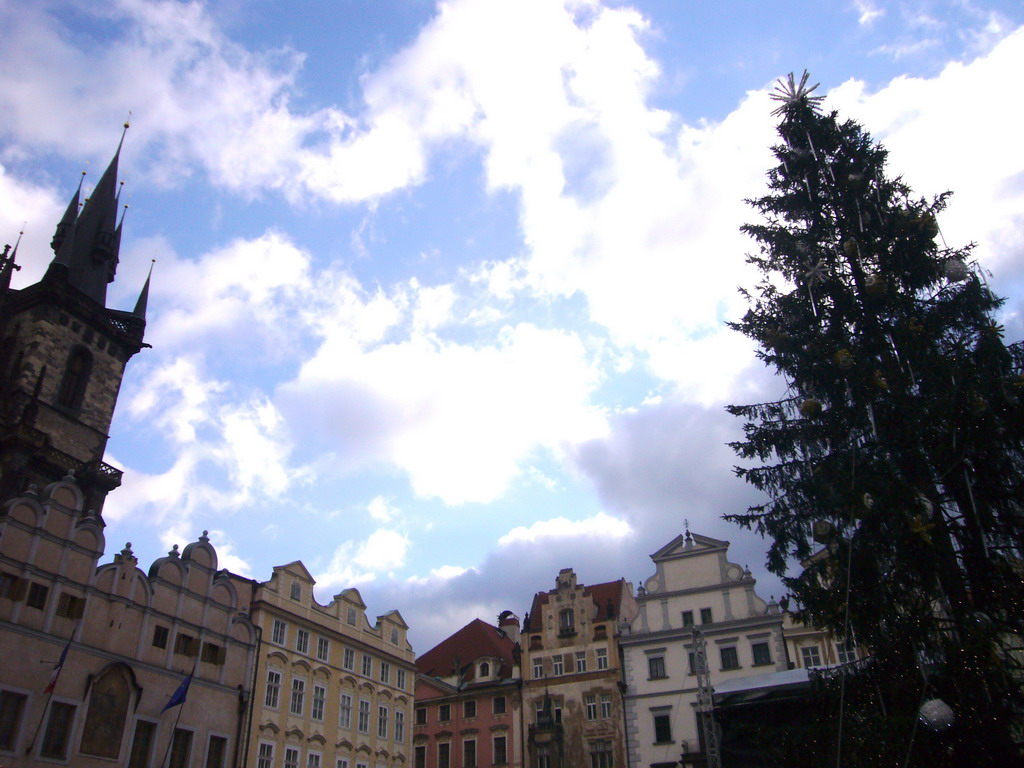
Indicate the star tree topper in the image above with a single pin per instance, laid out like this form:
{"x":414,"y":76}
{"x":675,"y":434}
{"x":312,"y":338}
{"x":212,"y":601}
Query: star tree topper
{"x":791,"y":94}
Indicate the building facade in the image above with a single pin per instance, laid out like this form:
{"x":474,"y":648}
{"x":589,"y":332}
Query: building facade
{"x":125,"y":641}
{"x":469,"y":710}
{"x":333,"y":690}
{"x":572,"y":672}
{"x":695,"y":591}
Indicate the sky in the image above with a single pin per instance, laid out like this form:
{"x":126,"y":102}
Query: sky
{"x":440,"y":290}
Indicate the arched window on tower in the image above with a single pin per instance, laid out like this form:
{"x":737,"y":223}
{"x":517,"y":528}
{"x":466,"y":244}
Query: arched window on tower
{"x":76,"y":377}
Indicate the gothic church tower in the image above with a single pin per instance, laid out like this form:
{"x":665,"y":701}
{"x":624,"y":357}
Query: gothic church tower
{"x":63,"y":353}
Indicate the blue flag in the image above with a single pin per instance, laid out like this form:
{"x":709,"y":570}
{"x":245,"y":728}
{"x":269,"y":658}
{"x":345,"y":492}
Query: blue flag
{"x":178,"y":697}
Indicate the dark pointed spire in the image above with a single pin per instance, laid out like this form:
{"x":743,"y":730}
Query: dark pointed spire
{"x":7,"y":265}
{"x":67,"y":221}
{"x":88,"y":246}
{"x":140,"y":305}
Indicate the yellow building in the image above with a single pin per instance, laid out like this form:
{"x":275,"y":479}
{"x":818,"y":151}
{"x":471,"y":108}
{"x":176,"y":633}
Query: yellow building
{"x":333,"y":691}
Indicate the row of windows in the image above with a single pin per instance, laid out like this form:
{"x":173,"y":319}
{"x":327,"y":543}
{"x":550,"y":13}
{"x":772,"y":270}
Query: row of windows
{"x":469,"y":710}
{"x":55,"y":742}
{"x":705,"y":617}
{"x":293,"y":758}
{"x":576,"y":662}
{"x":318,"y":701}
{"x":728,"y":655}
{"x":810,"y":655}
{"x":499,"y":753}
{"x":595,"y":706}
{"x":350,"y":614}
{"x":186,"y":645}
{"x":35,"y":596}
{"x":279,"y":636}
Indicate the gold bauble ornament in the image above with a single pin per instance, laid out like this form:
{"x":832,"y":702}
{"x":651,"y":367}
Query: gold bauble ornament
{"x":810,"y":408}
{"x":851,"y":249}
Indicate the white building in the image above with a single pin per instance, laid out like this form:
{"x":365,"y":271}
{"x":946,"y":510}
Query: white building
{"x":694,"y":587}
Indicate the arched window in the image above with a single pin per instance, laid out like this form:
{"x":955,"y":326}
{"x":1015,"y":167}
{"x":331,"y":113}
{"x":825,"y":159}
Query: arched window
{"x":485,"y":669}
{"x":76,"y":377}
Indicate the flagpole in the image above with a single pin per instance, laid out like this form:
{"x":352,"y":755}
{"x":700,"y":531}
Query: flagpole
{"x":50,"y":688}
{"x":181,"y":706}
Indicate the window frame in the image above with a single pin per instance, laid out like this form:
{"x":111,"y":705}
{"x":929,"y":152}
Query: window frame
{"x":729,"y":656}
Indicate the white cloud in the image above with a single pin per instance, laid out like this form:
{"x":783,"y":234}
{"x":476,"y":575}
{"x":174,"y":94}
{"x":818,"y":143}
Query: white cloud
{"x":380,"y":508}
{"x":601,"y":525}
{"x":353,"y":563}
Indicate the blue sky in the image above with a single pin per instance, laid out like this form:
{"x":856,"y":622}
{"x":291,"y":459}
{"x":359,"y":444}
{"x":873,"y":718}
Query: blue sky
{"x":440,"y":289}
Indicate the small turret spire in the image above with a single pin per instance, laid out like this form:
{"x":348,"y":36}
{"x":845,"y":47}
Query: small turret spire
{"x":140,"y":305}
{"x":66,"y":225}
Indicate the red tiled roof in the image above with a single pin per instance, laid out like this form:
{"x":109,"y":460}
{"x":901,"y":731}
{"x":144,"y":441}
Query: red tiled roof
{"x":475,"y":640}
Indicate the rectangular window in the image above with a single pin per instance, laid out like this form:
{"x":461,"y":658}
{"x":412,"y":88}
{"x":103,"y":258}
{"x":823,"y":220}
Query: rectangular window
{"x":382,"y":722}
{"x":12,"y":587}
{"x":811,"y":655}
{"x":730,"y":659}
{"x":280,"y":634}
{"x":421,"y":715}
{"x":705,"y":616}
{"x":420,"y":757}
{"x":602,"y":658}
{"x":291,"y":757}
{"x":401,"y":679}
{"x":323,"y":648}
{"x":498,"y":705}
{"x":846,"y":652}
{"x":70,"y":606}
{"x":319,"y":699}
{"x":469,"y":708}
{"x":444,"y":753}
{"x":606,"y":705}
{"x":160,"y":636}
{"x":500,"y":750}
{"x":367,"y":666}
{"x":762,"y":653}
{"x":662,"y":729}
{"x":298,"y":701}
{"x":350,"y":616}
{"x":273,"y":689}
{"x":538,"y":668}
{"x":12,"y":705}
{"x":348,"y":659}
{"x":469,"y":753}
{"x":302,"y":641}
{"x":655,"y":667}
{"x":342,"y":763}
{"x":687,"y":618}
{"x":265,"y":759}
{"x":213,"y":654}
{"x":399,"y":726}
{"x":58,"y":728}
{"x":186,"y":645}
{"x":37,"y":596}
{"x":601,"y":754}
{"x":591,"y":706}
{"x":142,"y":744}
{"x":557,"y":665}
{"x":181,"y":748}
{"x":581,"y":661}
{"x":385,"y":673}
{"x":364,"y":716}
{"x":345,"y":712}
{"x":444,"y":713}
{"x":215,"y":752}
{"x":313,"y":760}
{"x":296,"y":591}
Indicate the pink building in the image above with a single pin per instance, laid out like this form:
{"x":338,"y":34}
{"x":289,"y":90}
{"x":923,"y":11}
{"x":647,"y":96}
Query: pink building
{"x":469,"y":699}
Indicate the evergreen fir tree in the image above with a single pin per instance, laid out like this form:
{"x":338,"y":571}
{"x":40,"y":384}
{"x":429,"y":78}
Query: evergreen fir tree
{"x":893,"y":465}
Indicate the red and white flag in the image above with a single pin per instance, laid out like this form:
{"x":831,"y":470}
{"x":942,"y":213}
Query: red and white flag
{"x":56,"y":669}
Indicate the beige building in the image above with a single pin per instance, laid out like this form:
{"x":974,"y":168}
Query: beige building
{"x":694,"y":587}
{"x":131,"y":639}
{"x":572,"y":694}
{"x":333,"y":690}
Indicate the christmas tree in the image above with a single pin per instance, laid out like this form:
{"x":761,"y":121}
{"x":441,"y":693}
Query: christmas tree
{"x":893,"y":465}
